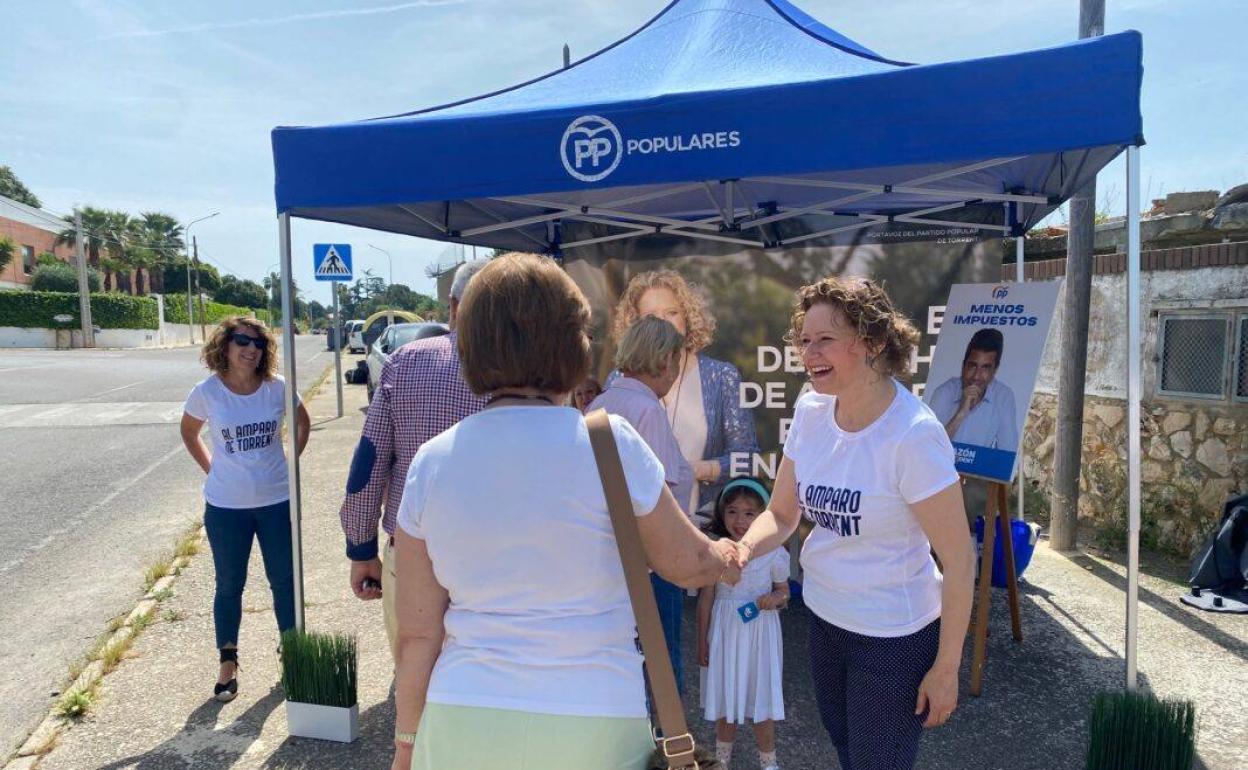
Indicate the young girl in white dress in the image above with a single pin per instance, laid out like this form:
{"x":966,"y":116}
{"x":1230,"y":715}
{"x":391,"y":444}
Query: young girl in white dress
{"x":739,"y":640}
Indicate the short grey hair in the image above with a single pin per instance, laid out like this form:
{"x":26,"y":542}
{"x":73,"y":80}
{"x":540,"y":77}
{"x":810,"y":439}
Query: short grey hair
{"x":647,"y":347}
{"x":463,"y":274}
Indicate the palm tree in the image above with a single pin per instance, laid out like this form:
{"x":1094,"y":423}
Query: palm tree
{"x":119,"y":256}
{"x":95,"y":228}
{"x":158,"y":236}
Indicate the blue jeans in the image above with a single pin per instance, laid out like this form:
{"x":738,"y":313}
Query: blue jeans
{"x":230,"y":532}
{"x":671,"y":601}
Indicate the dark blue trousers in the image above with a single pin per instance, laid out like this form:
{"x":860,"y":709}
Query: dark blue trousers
{"x":230,"y":532}
{"x":671,"y":601}
{"x":866,"y":687}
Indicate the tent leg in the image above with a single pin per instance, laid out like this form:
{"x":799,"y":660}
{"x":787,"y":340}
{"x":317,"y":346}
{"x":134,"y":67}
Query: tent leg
{"x":292,"y":455}
{"x":1020,"y":275}
{"x":1133,"y":411}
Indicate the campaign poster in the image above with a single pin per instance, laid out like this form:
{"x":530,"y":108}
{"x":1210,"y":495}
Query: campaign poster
{"x":984,"y":370}
{"x":750,"y":293}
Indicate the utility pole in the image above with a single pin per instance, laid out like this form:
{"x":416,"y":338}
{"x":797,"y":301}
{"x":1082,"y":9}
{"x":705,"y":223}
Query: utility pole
{"x":84,"y":287}
{"x":190,"y":314}
{"x":1067,"y":462}
{"x":203,"y":332}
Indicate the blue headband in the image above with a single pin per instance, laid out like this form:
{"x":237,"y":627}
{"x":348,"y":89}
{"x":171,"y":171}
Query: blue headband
{"x":749,"y":484}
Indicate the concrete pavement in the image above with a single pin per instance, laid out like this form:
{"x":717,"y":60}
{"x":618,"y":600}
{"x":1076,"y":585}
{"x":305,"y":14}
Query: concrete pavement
{"x":96,"y":485}
{"x":155,"y":712}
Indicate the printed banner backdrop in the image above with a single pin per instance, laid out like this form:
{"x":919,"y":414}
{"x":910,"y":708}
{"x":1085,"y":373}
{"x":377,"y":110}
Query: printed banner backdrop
{"x":750,"y":294}
{"x":984,"y":370}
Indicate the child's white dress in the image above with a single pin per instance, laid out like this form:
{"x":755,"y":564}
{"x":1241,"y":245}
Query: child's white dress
{"x":745,"y":676}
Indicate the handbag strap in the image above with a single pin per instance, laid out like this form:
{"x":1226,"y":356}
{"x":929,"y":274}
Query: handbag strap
{"x":676,"y":745}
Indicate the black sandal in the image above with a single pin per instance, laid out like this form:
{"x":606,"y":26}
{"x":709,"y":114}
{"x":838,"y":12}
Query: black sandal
{"x":228,"y":691}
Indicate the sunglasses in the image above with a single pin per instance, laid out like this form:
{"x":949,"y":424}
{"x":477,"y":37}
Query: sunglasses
{"x":243,"y":340}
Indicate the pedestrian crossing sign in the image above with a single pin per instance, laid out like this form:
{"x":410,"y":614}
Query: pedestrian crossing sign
{"x":331,"y":261}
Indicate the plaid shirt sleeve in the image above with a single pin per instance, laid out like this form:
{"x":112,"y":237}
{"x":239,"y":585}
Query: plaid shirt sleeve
{"x":370,"y":474}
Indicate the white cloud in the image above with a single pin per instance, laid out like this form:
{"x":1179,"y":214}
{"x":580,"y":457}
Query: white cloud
{"x":279,"y":20}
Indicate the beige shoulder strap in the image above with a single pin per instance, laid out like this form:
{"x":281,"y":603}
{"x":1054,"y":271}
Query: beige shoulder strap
{"x":677,"y":744}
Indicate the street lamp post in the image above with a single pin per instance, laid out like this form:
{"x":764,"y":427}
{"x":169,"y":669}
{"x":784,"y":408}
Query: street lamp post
{"x":186,"y":234}
{"x":389,"y":316}
{"x":388,"y":258}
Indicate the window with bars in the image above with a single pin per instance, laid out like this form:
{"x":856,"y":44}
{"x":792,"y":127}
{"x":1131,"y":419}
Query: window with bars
{"x":1241,"y":359}
{"x":1203,"y":356}
{"x":28,"y":259}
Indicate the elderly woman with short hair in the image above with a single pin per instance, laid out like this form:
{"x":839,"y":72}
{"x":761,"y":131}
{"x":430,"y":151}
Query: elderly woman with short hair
{"x":516,"y":635}
{"x":704,"y":405}
{"x":648,"y":359}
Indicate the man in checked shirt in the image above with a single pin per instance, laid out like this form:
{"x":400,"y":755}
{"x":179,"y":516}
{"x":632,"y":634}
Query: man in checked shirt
{"x":421,"y":393}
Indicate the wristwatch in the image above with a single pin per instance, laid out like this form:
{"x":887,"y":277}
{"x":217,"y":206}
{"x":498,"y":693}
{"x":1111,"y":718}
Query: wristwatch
{"x":406,"y":739}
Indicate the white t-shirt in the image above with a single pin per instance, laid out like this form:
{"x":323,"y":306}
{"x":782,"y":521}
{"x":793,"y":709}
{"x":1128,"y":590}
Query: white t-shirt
{"x":511,"y":509}
{"x":868,"y":566}
{"x":248,"y":464}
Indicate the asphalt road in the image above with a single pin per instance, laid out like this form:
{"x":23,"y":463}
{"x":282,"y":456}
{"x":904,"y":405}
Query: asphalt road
{"x":95,"y":486}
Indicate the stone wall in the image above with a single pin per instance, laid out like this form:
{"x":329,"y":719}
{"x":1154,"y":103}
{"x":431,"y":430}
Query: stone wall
{"x":1194,"y":453}
{"x":1193,"y":457}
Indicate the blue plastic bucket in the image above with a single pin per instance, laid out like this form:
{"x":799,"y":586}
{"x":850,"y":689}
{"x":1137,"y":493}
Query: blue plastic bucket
{"x":1024,"y":546}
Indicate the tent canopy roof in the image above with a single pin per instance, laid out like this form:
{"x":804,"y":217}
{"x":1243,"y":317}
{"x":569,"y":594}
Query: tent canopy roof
{"x":738,"y":121}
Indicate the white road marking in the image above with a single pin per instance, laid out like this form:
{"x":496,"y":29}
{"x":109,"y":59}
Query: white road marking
{"x":75,"y":521}
{"x":113,"y":390}
{"x":90,"y":414}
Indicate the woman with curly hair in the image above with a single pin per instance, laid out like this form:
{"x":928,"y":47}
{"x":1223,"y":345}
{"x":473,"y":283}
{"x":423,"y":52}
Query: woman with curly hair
{"x":703,"y":407}
{"x":246,"y":495}
{"x":872,"y":468}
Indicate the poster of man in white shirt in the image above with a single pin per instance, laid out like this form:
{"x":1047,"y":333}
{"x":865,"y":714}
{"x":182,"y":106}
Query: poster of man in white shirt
{"x":975,"y":407}
{"x":984,"y":370}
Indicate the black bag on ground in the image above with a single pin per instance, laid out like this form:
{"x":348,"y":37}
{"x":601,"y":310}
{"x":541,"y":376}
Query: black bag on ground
{"x":1219,"y":573}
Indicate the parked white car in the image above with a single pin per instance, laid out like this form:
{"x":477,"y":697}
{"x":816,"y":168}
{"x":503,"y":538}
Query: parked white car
{"x":392,"y":339}
{"x":355,"y":336}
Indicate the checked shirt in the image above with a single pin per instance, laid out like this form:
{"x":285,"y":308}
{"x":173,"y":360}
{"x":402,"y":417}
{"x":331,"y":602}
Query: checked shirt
{"x":421,"y":393}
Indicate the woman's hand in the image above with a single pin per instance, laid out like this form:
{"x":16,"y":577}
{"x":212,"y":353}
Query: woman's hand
{"x":402,"y":756}
{"x":729,"y":553}
{"x":704,"y":654}
{"x":938,"y":693}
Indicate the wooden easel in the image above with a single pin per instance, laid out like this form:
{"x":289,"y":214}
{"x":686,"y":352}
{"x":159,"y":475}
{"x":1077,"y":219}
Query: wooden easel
{"x":996,"y":518}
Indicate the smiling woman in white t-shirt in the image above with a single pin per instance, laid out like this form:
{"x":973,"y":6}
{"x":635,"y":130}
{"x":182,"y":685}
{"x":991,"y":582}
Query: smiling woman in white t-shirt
{"x":517,"y":642}
{"x":246,"y":494}
{"x":872,"y":468}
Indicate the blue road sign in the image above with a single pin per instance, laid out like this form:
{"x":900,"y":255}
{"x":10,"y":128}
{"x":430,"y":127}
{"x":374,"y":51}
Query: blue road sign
{"x":331,"y":261}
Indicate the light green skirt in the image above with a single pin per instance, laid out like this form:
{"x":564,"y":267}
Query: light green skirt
{"x":472,"y":738}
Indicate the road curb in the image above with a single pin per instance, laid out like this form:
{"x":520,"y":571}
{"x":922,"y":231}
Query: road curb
{"x":44,"y":737}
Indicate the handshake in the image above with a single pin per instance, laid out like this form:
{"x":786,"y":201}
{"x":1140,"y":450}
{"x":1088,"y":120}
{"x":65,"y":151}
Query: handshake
{"x":733,"y":557}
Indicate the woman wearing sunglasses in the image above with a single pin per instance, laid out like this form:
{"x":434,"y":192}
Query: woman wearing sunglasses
{"x":246,"y":495}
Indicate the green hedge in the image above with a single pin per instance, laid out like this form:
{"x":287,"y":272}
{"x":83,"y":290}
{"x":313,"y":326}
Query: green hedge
{"x":34,"y":310}
{"x":175,"y":310}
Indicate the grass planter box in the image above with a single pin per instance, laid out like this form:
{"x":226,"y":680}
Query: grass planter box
{"x":319,"y":678}
{"x":328,"y":723}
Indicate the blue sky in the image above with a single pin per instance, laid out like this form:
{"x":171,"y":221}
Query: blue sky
{"x":144,"y":105}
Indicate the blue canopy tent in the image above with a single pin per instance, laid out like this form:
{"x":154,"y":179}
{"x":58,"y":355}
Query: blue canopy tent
{"x":737,"y":123}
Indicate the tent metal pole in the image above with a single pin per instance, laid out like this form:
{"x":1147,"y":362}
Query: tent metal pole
{"x":1020,"y":275}
{"x":1133,"y":411}
{"x":292,"y":386}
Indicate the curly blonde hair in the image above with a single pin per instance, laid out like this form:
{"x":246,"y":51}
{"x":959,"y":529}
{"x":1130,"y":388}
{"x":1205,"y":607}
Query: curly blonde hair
{"x":870,"y":311}
{"x":699,"y":323}
{"x":215,"y":354}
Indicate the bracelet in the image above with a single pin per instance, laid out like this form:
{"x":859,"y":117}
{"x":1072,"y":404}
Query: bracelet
{"x":407,"y":739}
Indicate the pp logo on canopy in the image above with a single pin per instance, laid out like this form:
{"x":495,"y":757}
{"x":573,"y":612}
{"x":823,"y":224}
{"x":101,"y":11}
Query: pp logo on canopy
{"x":591,"y":148}
{"x":1000,"y":292}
